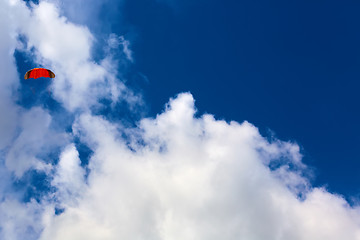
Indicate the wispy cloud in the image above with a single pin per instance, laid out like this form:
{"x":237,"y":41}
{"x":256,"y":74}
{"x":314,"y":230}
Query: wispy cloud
{"x":66,"y":47}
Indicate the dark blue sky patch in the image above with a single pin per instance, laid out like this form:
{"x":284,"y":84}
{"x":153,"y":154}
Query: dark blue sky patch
{"x":85,"y":154}
{"x":28,"y":2}
{"x":120,"y":112}
{"x":34,"y":185}
{"x":24,"y":59}
{"x":59,"y":211}
{"x":84,"y":151}
{"x":36,"y":92}
{"x":31,"y":92}
{"x":50,"y":155}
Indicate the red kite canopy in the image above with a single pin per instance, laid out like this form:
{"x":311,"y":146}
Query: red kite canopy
{"x":39,"y":72}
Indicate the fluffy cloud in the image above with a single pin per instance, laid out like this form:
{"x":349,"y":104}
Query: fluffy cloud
{"x":195,"y":178}
{"x":69,"y":178}
{"x":175,"y":176}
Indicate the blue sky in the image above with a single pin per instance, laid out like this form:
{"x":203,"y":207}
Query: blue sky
{"x":288,"y":67}
{"x":167,"y":118}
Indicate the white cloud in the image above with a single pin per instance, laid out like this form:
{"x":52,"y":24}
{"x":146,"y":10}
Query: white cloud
{"x":19,"y":220}
{"x":176,"y":176}
{"x":69,"y":178}
{"x":195,"y":178}
{"x":35,"y":138}
{"x":9,"y":83}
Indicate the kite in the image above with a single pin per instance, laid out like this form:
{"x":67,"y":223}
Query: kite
{"x":38,"y":73}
